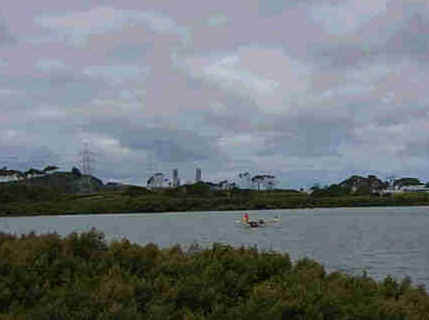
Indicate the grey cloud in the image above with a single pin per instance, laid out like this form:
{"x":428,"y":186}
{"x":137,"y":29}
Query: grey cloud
{"x":169,"y":144}
{"x":130,"y":52}
{"x":271,"y":7}
{"x":307,"y":135}
{"x":340,"y":54}
{"x":298,"y":134}
{"x":412,"y":38}
{"x":403,"y":114}
{"x":76,"y":27}
{"x":306,"y":178}
{"x":194,"y":83}
{"x":66,"y":88}
{"x":340,"y":95}
{"x":116,"y":75}
{"x":274,"y":7}
{"x":217,"y":20}
{"x":416,"y":148}
{"x":51,"y":65}
{"x":238,"y":115}
{"x":401,"y":31}
{"x":25,"y":157}
{"x":3,"y":63}
{"x":5,"y":36}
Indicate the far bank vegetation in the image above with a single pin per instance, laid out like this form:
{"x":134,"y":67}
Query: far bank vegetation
{"x":72,"y":192}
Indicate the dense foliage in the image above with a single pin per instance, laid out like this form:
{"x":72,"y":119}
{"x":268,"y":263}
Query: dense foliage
{"x":21,"y":199}
{"x":17,"y":192}
{"x":333,"y":190}
{"x":83,"y":277}
{"x":407,"y":182}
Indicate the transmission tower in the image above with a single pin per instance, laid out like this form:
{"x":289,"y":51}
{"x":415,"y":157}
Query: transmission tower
{"x":87,"y":160}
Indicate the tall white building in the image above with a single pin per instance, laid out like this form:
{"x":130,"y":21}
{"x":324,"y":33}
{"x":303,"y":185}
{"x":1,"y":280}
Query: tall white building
{"x":176,"y":181}
{"x":198,"y":175}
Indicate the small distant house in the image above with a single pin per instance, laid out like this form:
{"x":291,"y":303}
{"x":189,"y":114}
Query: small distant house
{"x":156,"y":181}
{"x":226,"y":185}
{"x":34,"y":173}
{"x":306,"y":190}
{"x":168,"y":183}
{"x":50,"y":169}
{"x":415,"y":188}
{"x":10,"y":175}
{"x":150,"y":182}
{"x":406,"y":182}
{"x":113,"y":184}
{"x":223,"y":185}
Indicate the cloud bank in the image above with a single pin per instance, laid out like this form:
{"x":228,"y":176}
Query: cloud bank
{"x":311,"y":91}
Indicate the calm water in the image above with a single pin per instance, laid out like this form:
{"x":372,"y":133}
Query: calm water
{"x":381,"y":241}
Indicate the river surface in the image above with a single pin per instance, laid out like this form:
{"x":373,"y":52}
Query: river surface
{"x":383,"y":241}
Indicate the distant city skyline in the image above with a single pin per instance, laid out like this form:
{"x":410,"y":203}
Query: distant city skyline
{"x":174,"y":179}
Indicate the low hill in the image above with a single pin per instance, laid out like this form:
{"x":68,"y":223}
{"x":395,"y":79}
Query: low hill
{"x":66,"y":182}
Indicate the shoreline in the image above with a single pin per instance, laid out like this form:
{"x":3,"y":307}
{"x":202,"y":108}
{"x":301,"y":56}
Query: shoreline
{"x":42,"y":215}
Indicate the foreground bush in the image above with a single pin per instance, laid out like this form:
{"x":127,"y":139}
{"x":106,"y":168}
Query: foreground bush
{"x":82,"y":277}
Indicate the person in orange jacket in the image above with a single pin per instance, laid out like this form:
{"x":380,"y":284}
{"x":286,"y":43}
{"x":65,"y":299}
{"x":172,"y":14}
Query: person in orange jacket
{"x":246,"y":218}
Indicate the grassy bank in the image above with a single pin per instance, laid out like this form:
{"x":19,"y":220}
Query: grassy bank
{"x":83,"y":277}
{"x":29,"y":200}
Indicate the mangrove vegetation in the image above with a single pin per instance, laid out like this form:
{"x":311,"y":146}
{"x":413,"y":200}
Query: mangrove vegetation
{"x":81,"y":276}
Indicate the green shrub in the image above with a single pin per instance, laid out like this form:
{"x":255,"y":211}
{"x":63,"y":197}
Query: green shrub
{"x":82,"y":277}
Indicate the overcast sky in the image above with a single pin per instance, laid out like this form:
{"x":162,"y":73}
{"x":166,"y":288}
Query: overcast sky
{"x":310,"y":91}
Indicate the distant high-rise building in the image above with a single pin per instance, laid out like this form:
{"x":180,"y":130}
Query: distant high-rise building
{"x":176,"y":181}
{"x":198,"y":175}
